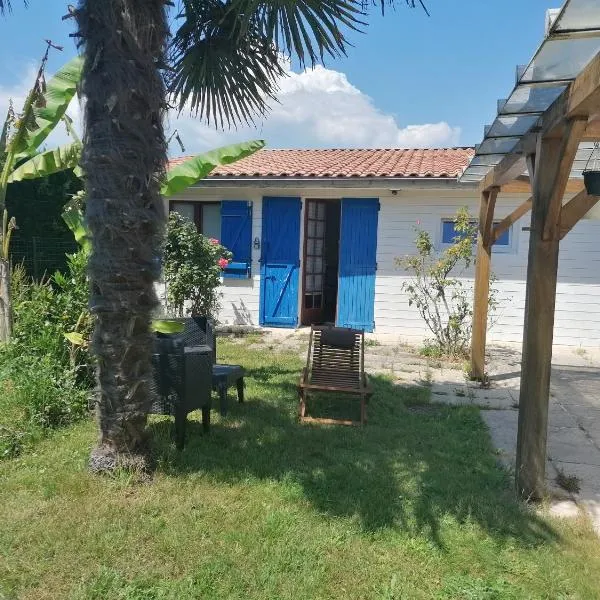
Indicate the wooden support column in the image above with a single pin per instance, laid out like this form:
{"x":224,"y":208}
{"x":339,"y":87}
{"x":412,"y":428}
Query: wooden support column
{"x":482,"y":282}
{"x":554,"y":159}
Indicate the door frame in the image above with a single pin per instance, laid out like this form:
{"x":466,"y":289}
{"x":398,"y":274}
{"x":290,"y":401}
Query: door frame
{"x":303,"y":256}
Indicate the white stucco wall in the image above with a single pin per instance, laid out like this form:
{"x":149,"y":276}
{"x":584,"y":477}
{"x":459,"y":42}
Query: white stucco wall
{"x":578,"y":293}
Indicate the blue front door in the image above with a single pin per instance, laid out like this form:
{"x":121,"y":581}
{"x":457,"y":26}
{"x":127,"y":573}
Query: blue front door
{"x":358,"y":263}
{"x":280,"y":262}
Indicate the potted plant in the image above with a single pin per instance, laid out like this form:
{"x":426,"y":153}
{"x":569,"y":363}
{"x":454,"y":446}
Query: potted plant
{"x":591,"y":173}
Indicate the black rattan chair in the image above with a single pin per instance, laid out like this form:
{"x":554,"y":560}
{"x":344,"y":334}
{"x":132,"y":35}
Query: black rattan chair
{"x":182,"y":379}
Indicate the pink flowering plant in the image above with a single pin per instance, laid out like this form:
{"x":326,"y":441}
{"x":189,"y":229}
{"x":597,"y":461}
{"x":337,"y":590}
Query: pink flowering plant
{"x":193,"y":265}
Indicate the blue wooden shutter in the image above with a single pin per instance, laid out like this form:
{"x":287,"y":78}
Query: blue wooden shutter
{"x":236,"y":236}
{"x":280,"y":261}
{"x":358,"y":263}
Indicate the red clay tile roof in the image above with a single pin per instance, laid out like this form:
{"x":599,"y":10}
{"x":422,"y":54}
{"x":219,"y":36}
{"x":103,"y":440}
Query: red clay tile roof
{"x":442,"y":162}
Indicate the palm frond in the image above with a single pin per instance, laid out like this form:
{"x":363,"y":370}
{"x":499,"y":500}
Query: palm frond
{"x":5,"y":6}
{"x":226,"y":56}
{"x":222,"y":78}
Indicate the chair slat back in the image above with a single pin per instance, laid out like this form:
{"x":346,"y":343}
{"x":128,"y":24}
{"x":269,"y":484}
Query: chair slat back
{"x":337,"y":351}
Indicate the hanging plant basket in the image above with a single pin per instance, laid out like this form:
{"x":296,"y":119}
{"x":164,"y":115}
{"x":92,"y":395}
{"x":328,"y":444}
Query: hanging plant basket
{"x":591,"y":173}
{"x":591,"y":179}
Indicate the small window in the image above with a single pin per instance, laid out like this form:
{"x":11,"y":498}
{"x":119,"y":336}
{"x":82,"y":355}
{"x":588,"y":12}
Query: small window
{"x":449,"y":234}
{"x":206,"y":216}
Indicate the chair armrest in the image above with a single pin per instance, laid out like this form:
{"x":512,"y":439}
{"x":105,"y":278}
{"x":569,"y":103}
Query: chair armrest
{"x":304,"y":375}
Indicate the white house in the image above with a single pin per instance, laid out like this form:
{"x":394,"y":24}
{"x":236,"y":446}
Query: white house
{"x":315,"y":236}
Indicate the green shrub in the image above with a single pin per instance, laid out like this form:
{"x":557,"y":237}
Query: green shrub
{"x":437,"y":289}
{"x":45,"y":378}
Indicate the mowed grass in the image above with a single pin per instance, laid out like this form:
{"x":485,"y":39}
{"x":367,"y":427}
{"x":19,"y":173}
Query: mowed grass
{"x":411,"y":506}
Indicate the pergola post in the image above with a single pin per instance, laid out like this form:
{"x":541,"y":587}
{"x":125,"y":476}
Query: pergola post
{"x":554,"y":159}
{"x":482,"y":282}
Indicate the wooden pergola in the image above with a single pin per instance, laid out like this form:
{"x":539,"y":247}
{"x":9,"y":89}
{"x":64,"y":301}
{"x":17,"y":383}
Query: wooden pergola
{"x":547,"y":152}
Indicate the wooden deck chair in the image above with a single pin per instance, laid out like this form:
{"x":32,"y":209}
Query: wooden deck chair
{"x":335,"y":363}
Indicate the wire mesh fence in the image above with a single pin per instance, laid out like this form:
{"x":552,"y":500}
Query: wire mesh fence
{"x":41,"y":256}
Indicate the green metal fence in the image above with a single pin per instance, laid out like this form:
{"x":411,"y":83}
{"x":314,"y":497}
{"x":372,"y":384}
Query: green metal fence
{"x":41,"y":256}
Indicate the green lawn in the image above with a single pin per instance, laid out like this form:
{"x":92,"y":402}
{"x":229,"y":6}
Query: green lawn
{"x":411,"y":506}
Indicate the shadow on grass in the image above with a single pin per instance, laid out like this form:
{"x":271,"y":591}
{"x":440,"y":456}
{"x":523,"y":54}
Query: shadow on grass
{"x":407,"y":470}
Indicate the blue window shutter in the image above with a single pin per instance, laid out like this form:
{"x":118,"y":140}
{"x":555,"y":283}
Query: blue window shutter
{"x":504,"y":239}
{"x":280,"y":261}
{"x":449,"y":233}
{"x":236,"y":236}
{"x":358,"y":263}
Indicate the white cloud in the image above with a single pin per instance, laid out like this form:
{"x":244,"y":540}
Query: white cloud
{"x":317,"y":108}
{"x":320,"y":108}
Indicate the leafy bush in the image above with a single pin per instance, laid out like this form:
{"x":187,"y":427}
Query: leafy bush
{"x":192,"y":269}
{"x":437,"y":291}
{"x":44,"y":378}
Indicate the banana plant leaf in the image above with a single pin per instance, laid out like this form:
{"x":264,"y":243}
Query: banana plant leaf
{"x":73,"y":217}
{"x":75,"y":338}
{"x":166,"y":326}
{"x":192,"y":170}
{"x":59,"y":92}
{"x":4,"y":134}
{"x":49,"y":162}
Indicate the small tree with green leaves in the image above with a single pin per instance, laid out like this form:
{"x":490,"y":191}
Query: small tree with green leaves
{"x":192,"y":269}
{"x":437,"y":290}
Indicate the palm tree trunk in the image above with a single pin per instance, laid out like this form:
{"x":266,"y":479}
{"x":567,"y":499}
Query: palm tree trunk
{"x":124,"y":159}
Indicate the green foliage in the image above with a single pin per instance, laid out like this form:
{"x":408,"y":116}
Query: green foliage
{"x":56,"y":95}
{"x":44,"y":378}
{"x":192,"y":170}
{"x":437,"y":290}
{"x":192,"y":269}
{"x":75,"y":221}
{"x":49,"y":162}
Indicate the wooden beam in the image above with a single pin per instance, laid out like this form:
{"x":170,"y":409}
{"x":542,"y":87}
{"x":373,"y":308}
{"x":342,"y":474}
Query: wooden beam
{"x":523,"y":186}
{"x":540,"y":298}
{"x":584,"y":93}
{"x":510,"y":168}
{"x":592,"y":131}
{"x":574,"y":210}
{"x":509,"y":220}
{"x":555,"y":175}
{"x":486,"y":216}
{"x":482,"y":283}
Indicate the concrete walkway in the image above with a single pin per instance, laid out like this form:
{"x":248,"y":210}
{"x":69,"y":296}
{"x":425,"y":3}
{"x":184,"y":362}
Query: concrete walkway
{"x":574,"y":413}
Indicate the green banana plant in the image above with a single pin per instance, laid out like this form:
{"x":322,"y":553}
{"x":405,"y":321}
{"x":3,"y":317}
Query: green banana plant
{"x":22,"y":135}
{"x":177,"y":179}
{"x":49,"y":162}
{"x":198,"y":167}
{"x":45,"y":106}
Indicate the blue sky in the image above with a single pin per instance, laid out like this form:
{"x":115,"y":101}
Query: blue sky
{"x":410,"y":80}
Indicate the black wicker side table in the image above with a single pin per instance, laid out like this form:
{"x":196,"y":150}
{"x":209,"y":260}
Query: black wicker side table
{"x":223,"y":377}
